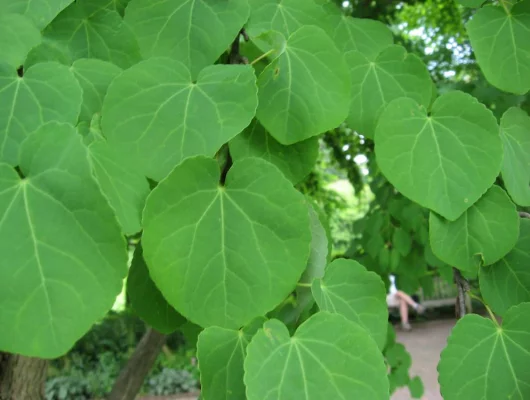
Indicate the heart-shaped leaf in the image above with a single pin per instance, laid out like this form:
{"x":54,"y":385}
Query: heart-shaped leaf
{"x":19,"y":36}
{"x":487,"y":361}
{"x":507,"y":282}
{"x":484,"y":234}
{"x":499,"y":38}
{"x":195,"y":32}
{"x":224,"y":255}
{"x":64,"y":254}
{"x":401,"y":241}
{"x":295,"y":161}
{"x":147,"y":301}
{"x":158,"y":115}
{"x":221,"y":353}
{"x":89,"y":31}
{"x":349,"y":289}
{"x":365,"y":36}
{"x":444,"y":161}
{"x":47,"y":92}
{"x":42,"y":12}
{"x":376,"y":82}
{"x":329,"y":357}
{"x":122,"y":184}
{"x":293,"y":105}
{"x":515,"y":134}
{"x":94,"y":76}
{"x":285,"y":16}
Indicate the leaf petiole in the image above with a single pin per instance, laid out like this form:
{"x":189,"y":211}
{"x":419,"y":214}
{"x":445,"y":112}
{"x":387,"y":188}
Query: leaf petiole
{"x":264,"y":55}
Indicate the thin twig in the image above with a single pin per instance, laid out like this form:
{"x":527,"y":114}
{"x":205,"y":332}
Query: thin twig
{"x":523,"y":214}
{"x":463,"y":286}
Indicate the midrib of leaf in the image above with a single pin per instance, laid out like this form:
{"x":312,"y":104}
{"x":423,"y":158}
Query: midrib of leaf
{"x":508,"y":360}
{"x":184,"y":119}
{"x":192,"y":244}
{"x":223,"y":252}
{"x":254,"y":235}
{"x":302,"y":369}
{"x":23,"y":187}
{"x":280,"y":391}
{"x":11,"y":113}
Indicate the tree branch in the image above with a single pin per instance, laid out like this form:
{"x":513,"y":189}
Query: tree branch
{"x":463,"y":286}
{"x":235,"y":57}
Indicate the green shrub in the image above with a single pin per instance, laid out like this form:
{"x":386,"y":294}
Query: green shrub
{"x":67,"y":388}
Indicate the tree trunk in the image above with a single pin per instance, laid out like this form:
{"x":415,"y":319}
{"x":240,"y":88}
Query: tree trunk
{"x":132,"y":376}
{"x":22,"y":377}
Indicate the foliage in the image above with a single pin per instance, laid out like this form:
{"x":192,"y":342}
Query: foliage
{"x":186,"y":124}
{"x":67,"y":387}
{"x":170,"y":381}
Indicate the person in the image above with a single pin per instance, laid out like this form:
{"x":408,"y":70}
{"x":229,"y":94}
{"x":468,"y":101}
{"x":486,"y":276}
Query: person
{"x":398,"y":298}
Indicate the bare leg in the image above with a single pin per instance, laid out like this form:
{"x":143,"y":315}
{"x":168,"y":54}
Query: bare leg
{"x":403,"y":311}
{"x":406,"y":298}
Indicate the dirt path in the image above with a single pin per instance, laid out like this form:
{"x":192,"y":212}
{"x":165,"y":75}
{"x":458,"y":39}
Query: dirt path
{"x":424,"y":343}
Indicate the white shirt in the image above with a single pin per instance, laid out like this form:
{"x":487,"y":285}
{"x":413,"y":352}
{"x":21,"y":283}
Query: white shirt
{"x":393,"y":288}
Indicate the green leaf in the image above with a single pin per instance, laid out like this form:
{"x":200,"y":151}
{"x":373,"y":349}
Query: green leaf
{"x":147,"y":301}
{"x":221,"y":353}
{"x":89,"y":31}
{"x":500,"y":41}
{"x":515,"y":134}
{"x":416,"y":388}
{"x":507,"y":282}
{"x":194,"y":32}
{"x":42,"y":12}
{"x":377,"y":81}
{"x":64,"y":255}
{"x":19,"y":36}
{"x":316,"y":264}
{"x":191,"y":333}
{"x":285,"y":16}
{"x":94,"y":76}
{"x":397,"y":356}
{"x":350,"y":290}
{"x":48,"y":50}
{"x":293,"y":104}
{"x":125,"y":188}
{"x":47,"y":92}
{"x":328,"y":357}
{"x":401,"y":241}
{"x":485,"y":360}
{"x":484,"y":234}
{"x":444,"y":161}
{"x":158,"y":115}
{"x":295,"y":161}
{"x":222,"y":255}
{"x":363,"y":35}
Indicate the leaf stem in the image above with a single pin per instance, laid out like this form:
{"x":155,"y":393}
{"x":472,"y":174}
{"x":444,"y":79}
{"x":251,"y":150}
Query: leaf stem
{"x":266,"y":54}
{"x":503,"y":3}
{"x":492,"y":316}
{"x":303,"y":284}
{"x":523,"y":214}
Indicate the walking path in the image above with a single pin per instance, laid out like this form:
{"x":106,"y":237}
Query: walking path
{"x":425,"y":343}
